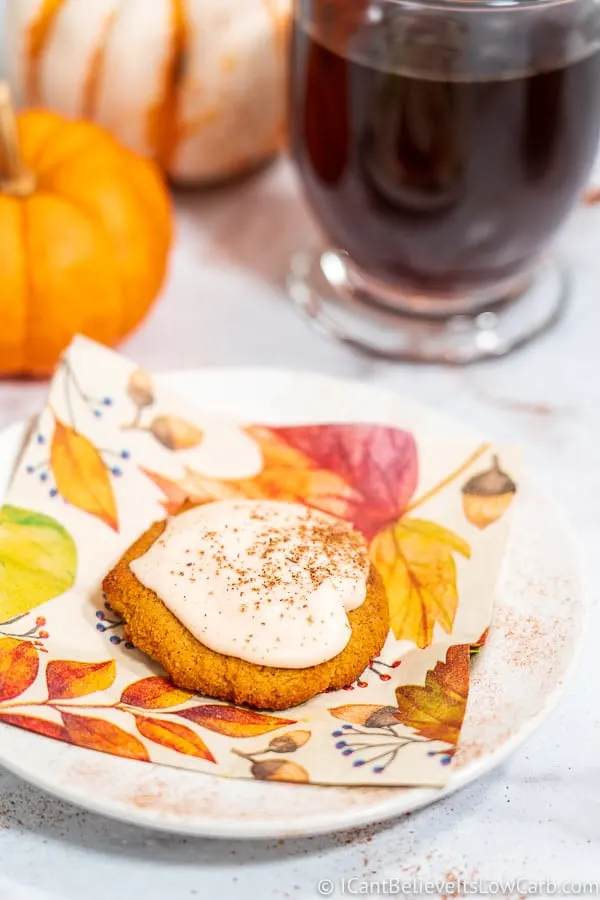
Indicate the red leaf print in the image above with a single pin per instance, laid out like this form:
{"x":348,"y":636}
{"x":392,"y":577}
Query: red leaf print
{"x":174,"y":737}
{"x":19,"y":665}
{"x":379,"y":463}
{"x":233,"y":721}
{"x":98,"y":734}
{"x":67,"y":679}
{"x":154,"y":692}
{"x":39,"y":726}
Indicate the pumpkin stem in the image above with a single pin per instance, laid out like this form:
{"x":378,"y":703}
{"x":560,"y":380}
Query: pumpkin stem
{"x":15,"y":179}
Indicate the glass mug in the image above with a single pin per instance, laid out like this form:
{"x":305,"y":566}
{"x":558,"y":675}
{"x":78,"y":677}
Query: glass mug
{"x":440,"y":145}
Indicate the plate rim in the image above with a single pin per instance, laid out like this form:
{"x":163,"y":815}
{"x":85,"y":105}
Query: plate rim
{"x":313,"y":823}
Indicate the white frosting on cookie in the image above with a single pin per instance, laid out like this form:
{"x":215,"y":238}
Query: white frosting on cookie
{"x":264,"y":581}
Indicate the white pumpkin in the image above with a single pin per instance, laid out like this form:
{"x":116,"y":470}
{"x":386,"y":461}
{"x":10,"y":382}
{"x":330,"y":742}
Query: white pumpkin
{"x":197,"y":85}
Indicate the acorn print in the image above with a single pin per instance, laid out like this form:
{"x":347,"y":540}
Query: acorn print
{"x":284,"y":743}
{"x":367,"y":714}
{"x":140,"y":388}
{"x":288,"y":743}
{"x":279,"y":770}
{"x":487,"y":496}
{"x":175,"y":433}
{"x":382,"y":718}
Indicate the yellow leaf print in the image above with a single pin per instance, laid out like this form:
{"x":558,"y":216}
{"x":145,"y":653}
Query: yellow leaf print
{"x":415,"y":560}
{"x":38,"y":560}
{"x":81,"y":475}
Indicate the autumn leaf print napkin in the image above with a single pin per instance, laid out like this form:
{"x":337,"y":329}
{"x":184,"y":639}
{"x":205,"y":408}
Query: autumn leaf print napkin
{"x":112,"y":451}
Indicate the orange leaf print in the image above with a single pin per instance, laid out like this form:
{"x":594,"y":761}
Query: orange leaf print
{"x":98,"y":734}
{"x":415,"y":560}
{"x":174,"y":737}
{"x":193,"y":486}
{"x":290,"y":475}
{"x":174,"y":492}
{"x":67,"y":679}
{"x":233,"y":721}
{"x":365,"y":474}
{"x":38,"y":726}
{"x":19,"y":664}
{"x":480,"y":642}
{"x":286,"y":475}
{"x":437,"y":709}
{"x":154,"y":692}
{"x":81,"y":475}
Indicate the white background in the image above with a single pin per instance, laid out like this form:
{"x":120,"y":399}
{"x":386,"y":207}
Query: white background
{"x":538,"y":816}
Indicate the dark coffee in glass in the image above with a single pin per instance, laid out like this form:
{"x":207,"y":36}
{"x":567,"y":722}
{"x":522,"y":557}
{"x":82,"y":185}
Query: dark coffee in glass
{"x":441,"y":146}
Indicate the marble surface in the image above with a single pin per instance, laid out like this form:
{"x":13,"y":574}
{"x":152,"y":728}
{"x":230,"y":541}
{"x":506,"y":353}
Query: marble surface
{"x":537,"y":816}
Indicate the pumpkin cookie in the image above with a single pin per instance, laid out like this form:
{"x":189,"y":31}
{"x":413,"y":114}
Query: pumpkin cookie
{"x":254,"y":602}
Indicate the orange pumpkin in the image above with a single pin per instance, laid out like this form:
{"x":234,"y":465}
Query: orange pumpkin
{"x":85,"y":233}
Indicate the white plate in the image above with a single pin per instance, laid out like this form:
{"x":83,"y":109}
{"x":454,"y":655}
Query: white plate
{"x":517,"y":679}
